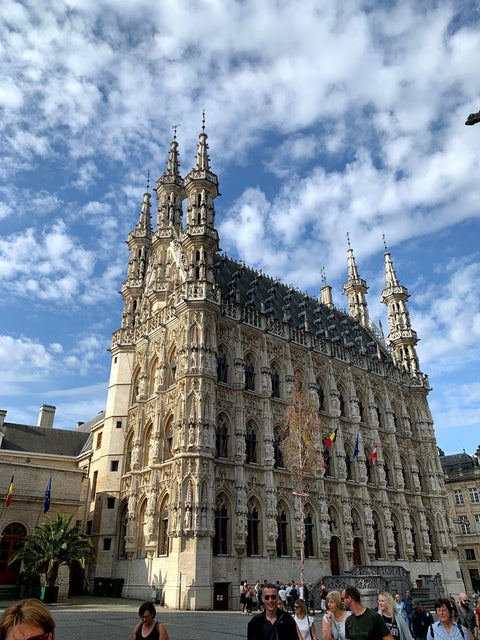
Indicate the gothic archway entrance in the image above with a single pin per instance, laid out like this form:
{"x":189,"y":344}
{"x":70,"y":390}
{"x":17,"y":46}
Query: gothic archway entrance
{"x":334,"y":559}
{"x":357,"y":555}
{"x":12,"y":537}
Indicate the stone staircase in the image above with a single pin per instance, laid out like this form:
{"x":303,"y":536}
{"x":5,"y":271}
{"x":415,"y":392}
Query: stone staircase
{"x":9,"y":593}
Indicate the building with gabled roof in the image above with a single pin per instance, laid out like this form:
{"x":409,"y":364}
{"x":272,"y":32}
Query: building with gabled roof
{"x":30,"y":458}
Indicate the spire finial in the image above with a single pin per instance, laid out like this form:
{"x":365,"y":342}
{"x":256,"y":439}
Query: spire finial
{"x":175,"y":127}
{"x":203,"y":121}
{"x":148,"y":181}
{"x":385,"y":243}
{"x":323,"y":277}
{"x":347,"y":235}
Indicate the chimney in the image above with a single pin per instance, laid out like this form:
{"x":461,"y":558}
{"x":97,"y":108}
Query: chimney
{"x":327,"y":295}
{"x":3,"y":413}
{"x":46,"y":416}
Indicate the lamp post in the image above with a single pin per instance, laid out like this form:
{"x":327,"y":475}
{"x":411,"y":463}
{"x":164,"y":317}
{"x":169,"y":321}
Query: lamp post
{"x":302,"y":497}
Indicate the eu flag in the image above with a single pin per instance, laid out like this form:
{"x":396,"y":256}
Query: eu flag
{"x":46,"y":505}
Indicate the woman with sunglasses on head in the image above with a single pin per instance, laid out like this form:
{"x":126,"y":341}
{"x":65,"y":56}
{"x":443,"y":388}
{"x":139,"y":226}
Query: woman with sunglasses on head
{"x":333,"y":623}
{"x":149,"y":628}
{"x":305,"y":623}
{"x":27,"y":620}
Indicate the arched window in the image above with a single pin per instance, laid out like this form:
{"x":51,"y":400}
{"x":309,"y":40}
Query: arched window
{"x":277,"y":452}
{"x":415,"y":541}
{"x":275,"y":379}
{"x":361,"y":410}
{"x":222,"y":437}
{"x":249,"y":374}
{"x":348,"y":465}
{"x":342,"y":405}
{"x":377,"y":538}
{"x":386,"y":469}
{"x":142,"y":525}
{"x":309,"y":547}
{"x":11,"y":541}
{"x":163,"y":532}
{"x":220,"y":541}
{"x":397,"y":546}
{"x":169,"y":439}
{"x":253,"y":529}
{"x":327,"y":462}
{"x":147,"y":446}
{"x":152,"y":378}
{"x":172,"y":372}
{"x":321,"y":397}
{"x":128,"y":452}
{"x":250,"y":444}
{"x":222,"y":366}
{"x":282,"y":542}
{"x":369,"y":467}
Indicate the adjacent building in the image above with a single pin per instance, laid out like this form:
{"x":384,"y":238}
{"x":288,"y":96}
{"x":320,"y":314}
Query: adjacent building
{"x":462,"y":481}
{"x":32,"y":459}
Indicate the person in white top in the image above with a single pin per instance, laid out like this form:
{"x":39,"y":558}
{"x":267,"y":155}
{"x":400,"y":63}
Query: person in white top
{"x":305,"y":623}
{"x":333,"y":623}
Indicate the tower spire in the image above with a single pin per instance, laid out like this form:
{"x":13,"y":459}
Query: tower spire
{"x":201,"y":238}
{"x":355,"y":289}
{"x":170,"y":192}
{"x":144,"y":219}
{"x":402,"y":337}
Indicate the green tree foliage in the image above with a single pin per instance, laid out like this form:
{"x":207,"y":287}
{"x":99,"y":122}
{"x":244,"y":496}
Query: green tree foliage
{"x":53,"y":544}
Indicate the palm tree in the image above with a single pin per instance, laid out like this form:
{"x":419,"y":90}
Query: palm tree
{"x":53,"y":544}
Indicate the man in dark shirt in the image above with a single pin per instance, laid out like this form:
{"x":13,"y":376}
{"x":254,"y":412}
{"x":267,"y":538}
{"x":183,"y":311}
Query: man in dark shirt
{"x":466,"y":615}
{"x":364,"y":624}
{"x":272,"y":624}
{"x":421,"y":621}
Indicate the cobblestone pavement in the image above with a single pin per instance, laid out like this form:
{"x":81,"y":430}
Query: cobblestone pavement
{"x":88,"y":618}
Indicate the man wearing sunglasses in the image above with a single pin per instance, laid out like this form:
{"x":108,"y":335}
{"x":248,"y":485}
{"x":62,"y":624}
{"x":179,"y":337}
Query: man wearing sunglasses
{"x":272,"y":624}
{"x":467,"y":616}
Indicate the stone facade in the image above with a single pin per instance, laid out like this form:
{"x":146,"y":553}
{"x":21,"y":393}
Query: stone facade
{"x":190,"y":491}
{"x":462,"y":482}
{"x":32,"y":455}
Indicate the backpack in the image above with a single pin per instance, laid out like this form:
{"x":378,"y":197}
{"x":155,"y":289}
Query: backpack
{"x":305,"y":592}
{"x":293,"y":594}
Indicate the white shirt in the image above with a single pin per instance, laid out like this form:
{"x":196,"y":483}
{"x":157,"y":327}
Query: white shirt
{"x":304,"y":626}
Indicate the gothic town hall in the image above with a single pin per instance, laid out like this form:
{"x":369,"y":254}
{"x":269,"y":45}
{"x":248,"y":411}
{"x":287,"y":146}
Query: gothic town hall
{"x":187,"y":485}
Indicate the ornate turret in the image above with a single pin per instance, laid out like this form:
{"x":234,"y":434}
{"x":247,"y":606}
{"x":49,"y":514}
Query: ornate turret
{"x":355,"y":289}
{"x":200,"y":236}
{"x":170,"y":193}
{"x":402,"y":337}
{"x":140,"y":244}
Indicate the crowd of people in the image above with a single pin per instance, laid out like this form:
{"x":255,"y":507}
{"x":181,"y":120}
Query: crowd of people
{"x":344,"y":617}
{"x":288,"y":613}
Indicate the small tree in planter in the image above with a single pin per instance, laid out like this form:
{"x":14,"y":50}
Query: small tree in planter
{"x":53,"y":544}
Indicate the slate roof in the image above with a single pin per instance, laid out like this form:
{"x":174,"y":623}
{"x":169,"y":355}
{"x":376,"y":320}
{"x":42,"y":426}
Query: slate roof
{"x":30,"y":439}
{"x":287,"y":304}
{"x":457,"y":462}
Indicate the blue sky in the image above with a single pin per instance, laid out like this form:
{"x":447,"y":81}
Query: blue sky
{"x":323,"y":118}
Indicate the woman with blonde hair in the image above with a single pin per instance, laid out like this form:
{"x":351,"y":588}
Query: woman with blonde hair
{"x":27,"y":619}
{"x":333,"y":623}
{"x":305,"y":623}
{"x":394,"y":621}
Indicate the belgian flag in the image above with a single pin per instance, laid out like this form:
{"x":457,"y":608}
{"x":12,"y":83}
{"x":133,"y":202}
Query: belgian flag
{"x":331,"y":438}
{"x":9,"y":494}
